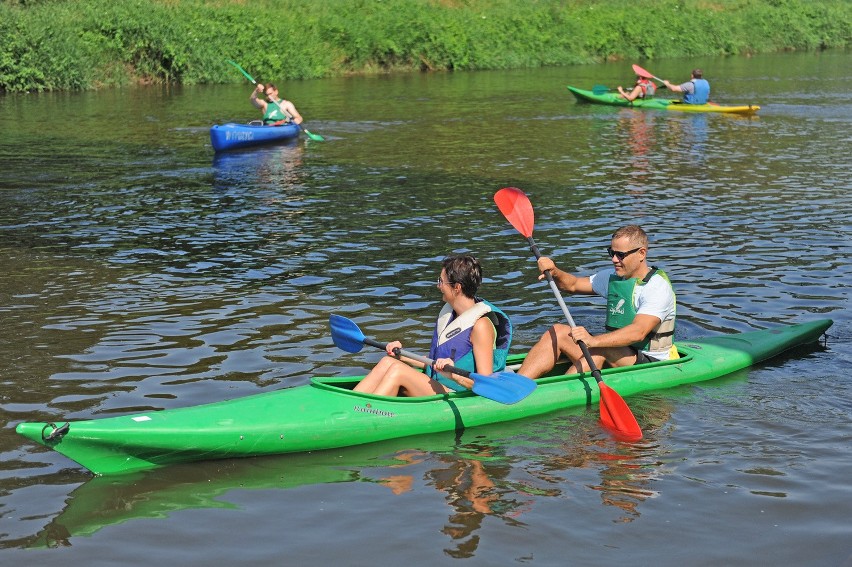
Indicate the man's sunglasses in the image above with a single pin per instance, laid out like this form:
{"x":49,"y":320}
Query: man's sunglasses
{"x":620,"y":255}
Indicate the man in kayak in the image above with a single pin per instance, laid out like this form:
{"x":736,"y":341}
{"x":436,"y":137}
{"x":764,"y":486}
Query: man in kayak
{"x":276,"y":110}
{"x":470,"y":334}
{"x":695,"y":91}
{"x":640,"y":317}
{"x":645,"y":88}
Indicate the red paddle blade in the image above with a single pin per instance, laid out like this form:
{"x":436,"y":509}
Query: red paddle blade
{"x":517,"y":209}
{"x":642,"y":72}
{"x":616,"y":416}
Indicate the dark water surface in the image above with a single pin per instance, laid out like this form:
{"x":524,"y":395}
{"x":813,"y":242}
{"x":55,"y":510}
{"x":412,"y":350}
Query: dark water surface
{"x":139,"y":272}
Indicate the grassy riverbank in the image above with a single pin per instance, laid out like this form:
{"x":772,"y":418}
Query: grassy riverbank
{"x":84,"y":44}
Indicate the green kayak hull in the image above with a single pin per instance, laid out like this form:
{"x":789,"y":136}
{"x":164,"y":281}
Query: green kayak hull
{"x":614,"y":99}
{"x":327,"y":414}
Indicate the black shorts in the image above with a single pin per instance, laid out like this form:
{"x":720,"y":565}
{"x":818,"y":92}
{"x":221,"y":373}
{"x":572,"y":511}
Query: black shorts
{"x":642,"y":358}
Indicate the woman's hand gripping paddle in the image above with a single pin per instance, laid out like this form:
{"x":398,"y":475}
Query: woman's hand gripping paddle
{"x":615,"y":415}
{"x":315,"y":137}
{"x":503,"y":387}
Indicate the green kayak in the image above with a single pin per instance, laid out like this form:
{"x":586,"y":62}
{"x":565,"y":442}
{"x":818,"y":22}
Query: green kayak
{"x":326,"y":414}
{"x":614,"y":99}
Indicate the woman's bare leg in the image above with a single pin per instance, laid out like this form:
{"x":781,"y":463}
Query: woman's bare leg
{"x":403,"y":378}
{"x":371,"y":381}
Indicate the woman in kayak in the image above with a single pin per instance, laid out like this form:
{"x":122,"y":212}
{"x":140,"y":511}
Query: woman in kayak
{"x":470,"y":333}
{"x":645,"y":88}
{"x":276,"y":110}
{"x":695,"y":91}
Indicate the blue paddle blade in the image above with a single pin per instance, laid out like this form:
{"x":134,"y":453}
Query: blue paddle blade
{"x":503,"y":387}
{"x":345,"y":333}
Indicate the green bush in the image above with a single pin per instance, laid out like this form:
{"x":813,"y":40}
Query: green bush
{"x":81,"y":44}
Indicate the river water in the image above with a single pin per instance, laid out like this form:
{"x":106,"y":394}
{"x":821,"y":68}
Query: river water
{"x":138,"y":271}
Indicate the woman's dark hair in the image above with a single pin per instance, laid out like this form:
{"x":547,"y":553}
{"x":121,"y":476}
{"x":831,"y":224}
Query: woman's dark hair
{"x":464,"y":269}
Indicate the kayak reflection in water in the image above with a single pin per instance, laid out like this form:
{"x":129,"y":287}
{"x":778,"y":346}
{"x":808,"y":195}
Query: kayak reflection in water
{"x":470,"y":334}
{"x":475,"y":483}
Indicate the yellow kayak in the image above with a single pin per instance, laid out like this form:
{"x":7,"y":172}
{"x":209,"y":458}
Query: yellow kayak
{"x":614,"y":99}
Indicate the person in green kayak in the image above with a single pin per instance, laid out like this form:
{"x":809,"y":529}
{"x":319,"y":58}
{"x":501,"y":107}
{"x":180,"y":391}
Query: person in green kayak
{"x":275,"y":110}
{"x":695,"y":91}
{"x":470,"y":333}
{"x":645,"y":88}
{"x":640,"y":318}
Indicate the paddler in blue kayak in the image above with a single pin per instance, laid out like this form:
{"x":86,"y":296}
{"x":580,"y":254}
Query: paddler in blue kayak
{"x":275,"y":110}
{"x":640,"y":318}
{"x":645,"y":88}
{"x":695,"y":91}
{"x":470,"y":333}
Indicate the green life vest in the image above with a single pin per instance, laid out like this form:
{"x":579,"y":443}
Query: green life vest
{"x":621,"y":310}
{"x":274,"y":113}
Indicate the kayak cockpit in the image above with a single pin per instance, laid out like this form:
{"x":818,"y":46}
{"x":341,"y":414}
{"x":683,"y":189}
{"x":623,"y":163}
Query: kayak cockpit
{"x":346,"y":384}
{"x":561,"y":373}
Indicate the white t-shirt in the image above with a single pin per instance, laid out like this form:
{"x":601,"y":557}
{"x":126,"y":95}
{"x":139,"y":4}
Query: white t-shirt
{"x":654,"y":298}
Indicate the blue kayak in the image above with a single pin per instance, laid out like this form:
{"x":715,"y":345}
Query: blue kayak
{"x":232,"y":136}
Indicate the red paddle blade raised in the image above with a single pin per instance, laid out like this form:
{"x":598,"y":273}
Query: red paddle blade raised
{"x":642,"y":72}
{"x":616,"y":415}
{"x":517,"y":209}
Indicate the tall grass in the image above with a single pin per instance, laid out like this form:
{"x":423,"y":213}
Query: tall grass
{"x":82,"y":44}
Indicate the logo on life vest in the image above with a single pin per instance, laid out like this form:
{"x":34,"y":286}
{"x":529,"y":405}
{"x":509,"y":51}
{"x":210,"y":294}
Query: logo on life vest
{"x":452,"y":333}
{"x":618,"y":309}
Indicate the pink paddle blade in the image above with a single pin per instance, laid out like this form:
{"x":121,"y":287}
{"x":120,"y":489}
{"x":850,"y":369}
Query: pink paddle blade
{"x":643,"y":73}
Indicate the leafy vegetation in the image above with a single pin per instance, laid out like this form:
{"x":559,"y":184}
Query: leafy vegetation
{"x":82,"y":44}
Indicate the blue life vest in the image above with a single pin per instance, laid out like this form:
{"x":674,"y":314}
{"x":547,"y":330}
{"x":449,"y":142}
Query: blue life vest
{"x":701,"y":95}
{"x":451,"y":339}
